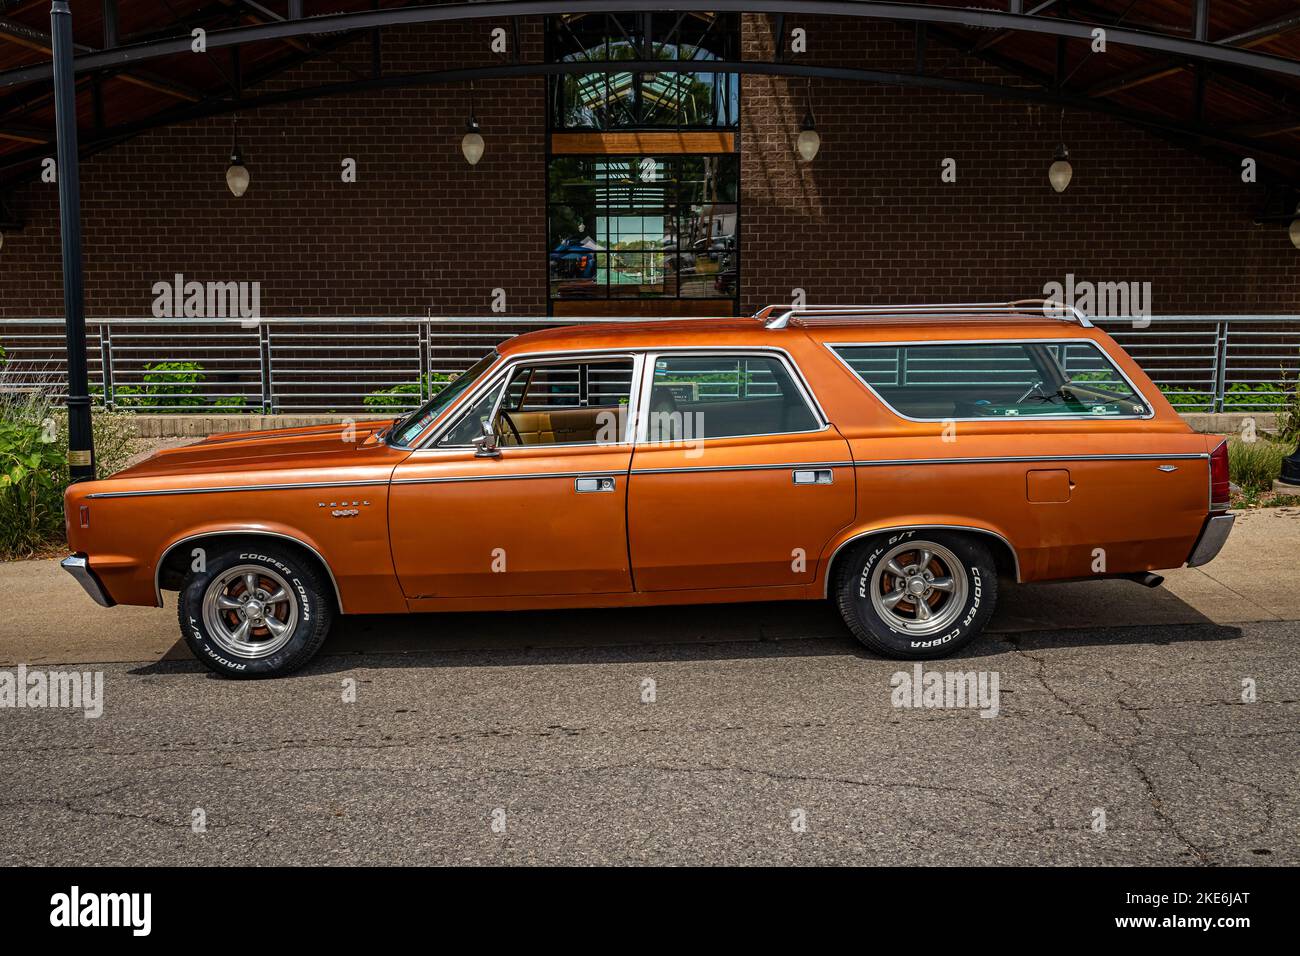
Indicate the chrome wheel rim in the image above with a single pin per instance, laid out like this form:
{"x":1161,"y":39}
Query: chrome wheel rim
{"x":919,"y":587}
{"x":250,"y":611}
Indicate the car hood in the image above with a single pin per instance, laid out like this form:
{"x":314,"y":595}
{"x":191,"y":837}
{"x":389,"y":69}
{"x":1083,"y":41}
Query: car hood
{"x":317,"y":446}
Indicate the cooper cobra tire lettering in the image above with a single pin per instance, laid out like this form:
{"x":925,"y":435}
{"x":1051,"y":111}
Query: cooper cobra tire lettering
{"x":314,"y":614}
{"x":878,"y":633}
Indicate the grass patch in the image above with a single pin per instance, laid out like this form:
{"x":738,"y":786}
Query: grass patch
{"x":1252,"y":465}
{"x":1254,"y":500}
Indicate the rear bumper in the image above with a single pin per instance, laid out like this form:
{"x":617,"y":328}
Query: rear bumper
{"x":1210,"y":543}
{"x":79,"y":568}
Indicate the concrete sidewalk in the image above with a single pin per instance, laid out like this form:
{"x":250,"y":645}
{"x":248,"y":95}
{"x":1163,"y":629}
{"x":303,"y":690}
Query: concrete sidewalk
{"x":47,"y":619}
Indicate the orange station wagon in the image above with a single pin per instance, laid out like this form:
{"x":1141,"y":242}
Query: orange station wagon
{"x":897,"y":460}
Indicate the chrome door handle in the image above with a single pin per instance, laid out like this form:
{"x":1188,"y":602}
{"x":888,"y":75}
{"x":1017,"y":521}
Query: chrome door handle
{"x":585,"y":485}
{"x":813,"y":476}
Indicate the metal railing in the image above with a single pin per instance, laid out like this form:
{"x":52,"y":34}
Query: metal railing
{"x":383,"y":365}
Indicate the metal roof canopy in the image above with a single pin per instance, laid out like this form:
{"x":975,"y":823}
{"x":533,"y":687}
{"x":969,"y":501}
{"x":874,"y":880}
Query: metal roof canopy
{"x":1228,"y":61}
{"x":1202,"y":50}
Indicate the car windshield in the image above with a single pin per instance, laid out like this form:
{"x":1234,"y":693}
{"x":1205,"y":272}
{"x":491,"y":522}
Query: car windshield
{"x":407,"y":429}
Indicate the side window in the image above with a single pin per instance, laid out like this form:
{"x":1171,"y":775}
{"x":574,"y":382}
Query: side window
{"x":721,"y":396}
{"x":994,"y":380}
{"x":569,"y":403}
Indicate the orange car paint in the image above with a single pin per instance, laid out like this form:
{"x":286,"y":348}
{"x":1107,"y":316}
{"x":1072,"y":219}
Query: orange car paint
{"x":403,"y":530}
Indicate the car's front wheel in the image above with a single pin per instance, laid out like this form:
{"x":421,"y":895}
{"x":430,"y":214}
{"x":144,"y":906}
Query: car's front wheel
{"x":917,"y":594}
{"x":255,"y":611}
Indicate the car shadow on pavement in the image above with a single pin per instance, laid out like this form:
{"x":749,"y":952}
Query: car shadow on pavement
{"x":734,"y":631}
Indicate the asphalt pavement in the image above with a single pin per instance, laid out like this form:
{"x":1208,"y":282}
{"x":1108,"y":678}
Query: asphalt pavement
{"x":1118,"y":725}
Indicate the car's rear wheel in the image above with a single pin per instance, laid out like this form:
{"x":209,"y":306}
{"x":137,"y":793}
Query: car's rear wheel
{"x":917,"y":594}
{"x":255,"y":611}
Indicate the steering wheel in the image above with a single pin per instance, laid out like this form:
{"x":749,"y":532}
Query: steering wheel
{"x":505,"y":417}
{"x":1036,"y":387}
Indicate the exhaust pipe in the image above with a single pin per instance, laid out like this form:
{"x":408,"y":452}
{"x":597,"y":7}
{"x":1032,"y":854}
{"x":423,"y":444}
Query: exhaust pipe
{"x":1145,"y":578}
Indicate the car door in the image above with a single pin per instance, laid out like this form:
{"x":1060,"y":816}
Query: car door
{"x":545,"y":514}
{"x":737,"y":479}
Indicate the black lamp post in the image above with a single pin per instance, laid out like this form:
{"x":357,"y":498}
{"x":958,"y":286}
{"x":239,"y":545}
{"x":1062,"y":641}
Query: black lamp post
{"x":81,"y":443}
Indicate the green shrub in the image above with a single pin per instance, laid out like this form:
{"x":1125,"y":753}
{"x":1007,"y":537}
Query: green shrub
{"x":1288,"y":418}
{"x":393,"y":398}
{"x":1237,"y":397}
{"x":1240,"y":397}
{"x":1253,"y":465}
{"x":33,"y":462}
{"x":167,"y":386}
{"x":32,"y":473}
{"x":1186,"y":399}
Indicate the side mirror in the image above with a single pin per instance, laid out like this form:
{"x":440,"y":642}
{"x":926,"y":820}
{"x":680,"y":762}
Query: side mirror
{"x":485,"y":446}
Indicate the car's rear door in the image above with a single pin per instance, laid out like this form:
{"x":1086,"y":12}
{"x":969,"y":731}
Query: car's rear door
{"x":737,"y":479}
{"x":547,"y":516}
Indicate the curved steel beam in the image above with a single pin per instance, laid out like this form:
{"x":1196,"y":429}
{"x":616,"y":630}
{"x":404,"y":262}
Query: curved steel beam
{"x":119,"y":134}
{"x":1199,"y":50}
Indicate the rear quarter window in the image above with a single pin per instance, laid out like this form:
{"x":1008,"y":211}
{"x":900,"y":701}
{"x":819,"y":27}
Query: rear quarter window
{"x":972,"y":380}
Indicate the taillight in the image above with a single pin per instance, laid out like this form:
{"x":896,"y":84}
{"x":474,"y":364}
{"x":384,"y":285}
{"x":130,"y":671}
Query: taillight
{"x":1220,"y":495}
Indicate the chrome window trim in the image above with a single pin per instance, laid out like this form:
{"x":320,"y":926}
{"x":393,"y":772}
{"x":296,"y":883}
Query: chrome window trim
{"x":830,"y":562}
{"x":502,"y":374}
{"x":254,"y":532}
{"x":426,"y":445}
{"x":784,"y":357}
{"x":1151,"y":411}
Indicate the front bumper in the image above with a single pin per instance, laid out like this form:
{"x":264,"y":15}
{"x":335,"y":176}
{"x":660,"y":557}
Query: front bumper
{"x":1210,"y":543}
{"x":79,"y":568}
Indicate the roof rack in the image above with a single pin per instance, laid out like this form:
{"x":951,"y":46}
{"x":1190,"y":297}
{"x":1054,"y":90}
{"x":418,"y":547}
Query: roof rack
{"x":778,"y":317}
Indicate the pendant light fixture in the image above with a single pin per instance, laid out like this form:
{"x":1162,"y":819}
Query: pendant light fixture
{"x":237,"y":177}
{"x":1060,"y":172}
{"x":809,"y":141}
{"x":471,"y":144}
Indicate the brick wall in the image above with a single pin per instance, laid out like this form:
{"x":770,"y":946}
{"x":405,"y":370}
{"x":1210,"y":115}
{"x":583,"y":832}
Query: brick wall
{"x":869,"y":220}
{"x":419,"y":230}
